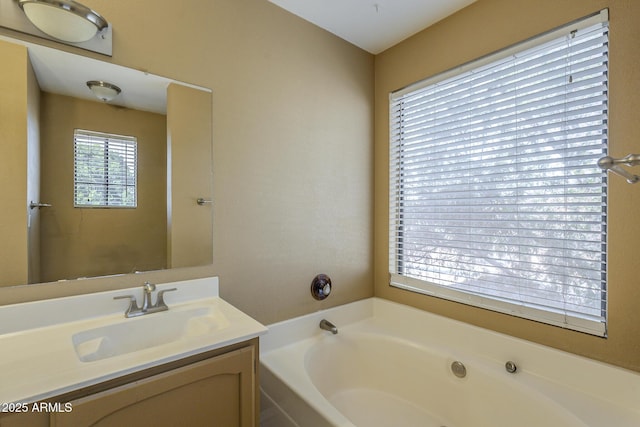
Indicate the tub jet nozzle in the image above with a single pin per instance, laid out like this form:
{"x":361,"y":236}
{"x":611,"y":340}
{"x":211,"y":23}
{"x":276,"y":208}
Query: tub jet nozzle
{"x":458,"y":369}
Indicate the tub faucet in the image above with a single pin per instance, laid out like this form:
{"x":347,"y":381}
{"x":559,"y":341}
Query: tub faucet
{"x":328,"y":326}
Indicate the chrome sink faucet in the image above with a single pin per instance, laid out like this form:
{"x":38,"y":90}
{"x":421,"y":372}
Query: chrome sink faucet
{"x":148,"y":288}
{"x":147,"y":306}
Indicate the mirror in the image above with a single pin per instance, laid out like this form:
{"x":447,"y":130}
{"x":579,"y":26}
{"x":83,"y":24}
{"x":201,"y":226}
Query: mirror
{"x":171,"y":122}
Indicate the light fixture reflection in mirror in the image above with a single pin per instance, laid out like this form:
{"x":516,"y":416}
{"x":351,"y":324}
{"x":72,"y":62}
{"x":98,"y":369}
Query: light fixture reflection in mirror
{"x":104,"y":91}
{"x":64,"y":20}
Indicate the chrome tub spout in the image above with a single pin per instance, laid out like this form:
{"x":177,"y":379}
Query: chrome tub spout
{"x":328,"y":326}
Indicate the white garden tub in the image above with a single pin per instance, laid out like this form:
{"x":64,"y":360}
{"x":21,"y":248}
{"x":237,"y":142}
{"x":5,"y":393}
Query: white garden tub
{"x":390,"y":366}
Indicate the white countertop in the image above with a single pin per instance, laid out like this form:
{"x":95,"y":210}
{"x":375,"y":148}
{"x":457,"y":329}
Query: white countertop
{"x":37,"y":355}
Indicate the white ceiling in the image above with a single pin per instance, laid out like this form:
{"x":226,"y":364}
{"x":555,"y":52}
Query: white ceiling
{"x":373,"y":25}
{"x":67,"y":74}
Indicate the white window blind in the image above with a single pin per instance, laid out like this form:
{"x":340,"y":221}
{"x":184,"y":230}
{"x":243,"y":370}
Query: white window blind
{"x":105,"y":170}
{"x":496,"y":199}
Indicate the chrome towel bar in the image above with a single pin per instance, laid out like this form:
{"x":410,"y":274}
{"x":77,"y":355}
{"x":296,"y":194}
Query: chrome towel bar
{"x":609,"y":163}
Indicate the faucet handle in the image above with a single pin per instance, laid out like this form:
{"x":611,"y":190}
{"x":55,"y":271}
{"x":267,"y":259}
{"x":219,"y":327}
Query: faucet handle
{"x":160,"y":299}
{"x":149,"y":287}
{"x":129,"y":297}
{"x":133,"y":304}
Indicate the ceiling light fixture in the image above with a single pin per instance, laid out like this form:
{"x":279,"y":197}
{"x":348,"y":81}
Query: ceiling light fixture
{"x":103,"y":90}
{"x":64,"y":20}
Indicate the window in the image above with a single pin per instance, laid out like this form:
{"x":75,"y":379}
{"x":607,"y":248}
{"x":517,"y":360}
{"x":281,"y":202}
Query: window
{"x":496,"y":199}
{"x":105,"y":170}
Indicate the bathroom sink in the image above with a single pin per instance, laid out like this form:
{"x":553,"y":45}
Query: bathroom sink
{"x":88,"y":339}
{"x":130,"y":335}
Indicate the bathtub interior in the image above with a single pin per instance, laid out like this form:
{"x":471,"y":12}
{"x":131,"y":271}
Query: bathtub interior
{"x":390,"y":365}
{"x":380,"y":381}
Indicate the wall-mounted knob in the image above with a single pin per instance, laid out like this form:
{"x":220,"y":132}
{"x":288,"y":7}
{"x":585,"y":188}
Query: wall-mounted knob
{"x":321,"y":286}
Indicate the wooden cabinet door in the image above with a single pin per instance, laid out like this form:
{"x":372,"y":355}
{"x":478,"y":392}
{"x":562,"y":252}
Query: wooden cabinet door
{"x":215,"y":392}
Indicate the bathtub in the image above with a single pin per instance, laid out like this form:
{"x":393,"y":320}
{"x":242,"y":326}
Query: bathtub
{"x":391,"y":366}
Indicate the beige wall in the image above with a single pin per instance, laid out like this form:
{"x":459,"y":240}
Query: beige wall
{"x":292,"y":146}
{"x":13,"y":164}
{"x":484,"y":27}
{"x":86,"y":242}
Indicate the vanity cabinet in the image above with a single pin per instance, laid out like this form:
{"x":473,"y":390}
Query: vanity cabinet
{"x":218,"y":389}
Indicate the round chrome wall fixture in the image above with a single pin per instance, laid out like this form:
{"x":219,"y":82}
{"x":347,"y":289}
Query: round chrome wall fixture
{"x":458,"y":369}
{"x":511,"y":367}
{"x":321,"y":287}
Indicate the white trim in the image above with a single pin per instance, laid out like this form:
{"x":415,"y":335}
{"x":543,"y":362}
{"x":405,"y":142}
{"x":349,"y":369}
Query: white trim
{"x":577,"y":323}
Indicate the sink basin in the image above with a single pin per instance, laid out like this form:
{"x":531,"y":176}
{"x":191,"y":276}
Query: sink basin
{"x":151,"y":330}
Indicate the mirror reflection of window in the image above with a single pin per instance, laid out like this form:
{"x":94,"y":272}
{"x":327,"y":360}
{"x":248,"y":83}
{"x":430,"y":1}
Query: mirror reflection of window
{"x":105,"y":170}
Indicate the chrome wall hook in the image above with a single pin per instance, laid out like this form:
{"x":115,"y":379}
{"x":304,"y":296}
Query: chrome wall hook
{"x":609,"y":163}
{"x":202,"y":201}
{"x":34,"y":205}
